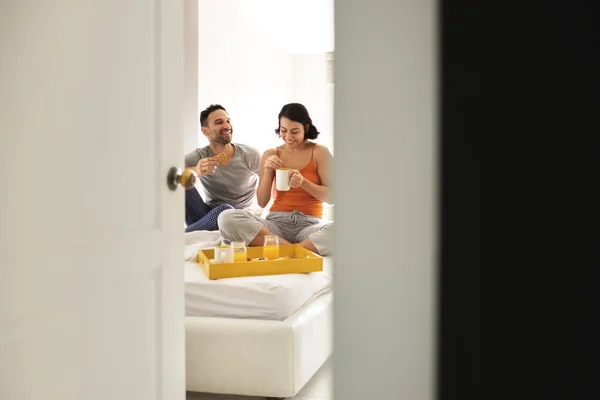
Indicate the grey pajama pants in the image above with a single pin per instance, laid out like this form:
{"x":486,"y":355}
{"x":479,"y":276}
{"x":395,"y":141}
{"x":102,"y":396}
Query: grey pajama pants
{"x":293,"y":226}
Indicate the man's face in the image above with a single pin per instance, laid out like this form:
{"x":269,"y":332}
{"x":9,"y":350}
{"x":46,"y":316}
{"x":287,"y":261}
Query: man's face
{"x":218,"y":129}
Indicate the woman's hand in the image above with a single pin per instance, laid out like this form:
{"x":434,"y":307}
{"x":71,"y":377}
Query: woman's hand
{"x":206,"y":166}
{"x":272,"y":163}
{"x":296,"y":179}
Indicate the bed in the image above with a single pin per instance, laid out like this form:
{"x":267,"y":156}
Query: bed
{"x":255,"y":336}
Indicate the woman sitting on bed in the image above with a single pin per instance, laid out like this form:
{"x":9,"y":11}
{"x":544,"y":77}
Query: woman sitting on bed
{"x":295,"y":216}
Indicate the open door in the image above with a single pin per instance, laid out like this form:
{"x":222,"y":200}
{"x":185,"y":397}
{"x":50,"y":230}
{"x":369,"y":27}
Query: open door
{"x":91,"y":264}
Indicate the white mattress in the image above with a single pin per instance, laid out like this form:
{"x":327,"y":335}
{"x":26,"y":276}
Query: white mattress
{"x":273,"y":297}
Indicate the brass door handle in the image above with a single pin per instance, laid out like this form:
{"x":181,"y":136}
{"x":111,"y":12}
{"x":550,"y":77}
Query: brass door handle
{"x":186,"y":178}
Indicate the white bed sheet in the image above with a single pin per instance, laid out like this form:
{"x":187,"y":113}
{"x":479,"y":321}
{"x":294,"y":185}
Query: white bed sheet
{"x":273,"y":297}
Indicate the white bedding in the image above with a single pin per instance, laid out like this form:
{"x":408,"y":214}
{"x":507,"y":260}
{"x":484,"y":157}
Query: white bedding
{"x":272,"y":297}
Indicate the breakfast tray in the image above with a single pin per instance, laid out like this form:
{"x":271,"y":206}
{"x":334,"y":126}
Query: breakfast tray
{"x":294,"y":259}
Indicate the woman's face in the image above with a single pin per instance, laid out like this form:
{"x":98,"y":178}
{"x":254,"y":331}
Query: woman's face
{"x":291,"y":132}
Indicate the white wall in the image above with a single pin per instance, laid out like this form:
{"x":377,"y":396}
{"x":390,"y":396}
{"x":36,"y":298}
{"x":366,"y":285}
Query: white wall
{"x":190,"y":70}
{"x":299,"y":26}
{"x":310,"y":87}
{"x":244,"y":65}
{"x":242,"y":68}
{"x":386,"y":138}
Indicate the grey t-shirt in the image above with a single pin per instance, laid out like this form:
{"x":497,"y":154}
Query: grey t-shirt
{"x":234,"y":184}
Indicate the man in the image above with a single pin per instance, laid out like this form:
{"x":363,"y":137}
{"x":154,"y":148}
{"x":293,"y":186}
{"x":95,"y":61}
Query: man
{"x":228,"y":172}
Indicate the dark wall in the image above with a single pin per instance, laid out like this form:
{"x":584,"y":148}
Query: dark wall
{"x":520,"y":229}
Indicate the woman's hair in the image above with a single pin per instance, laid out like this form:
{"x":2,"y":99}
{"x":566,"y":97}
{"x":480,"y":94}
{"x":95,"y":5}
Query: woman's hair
{"x":298,"y":113}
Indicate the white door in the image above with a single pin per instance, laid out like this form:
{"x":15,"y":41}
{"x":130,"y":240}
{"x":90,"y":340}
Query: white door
{"x":91,"y":275}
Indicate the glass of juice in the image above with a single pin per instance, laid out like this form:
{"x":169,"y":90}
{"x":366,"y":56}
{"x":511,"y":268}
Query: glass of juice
{"x":271,"y":247}
{"x":239,"y":252}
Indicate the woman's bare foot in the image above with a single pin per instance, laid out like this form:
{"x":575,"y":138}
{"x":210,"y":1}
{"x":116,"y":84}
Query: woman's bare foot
{"x":283,"y":242}
{"x":308,"y":245}
{"x":259,"y":239}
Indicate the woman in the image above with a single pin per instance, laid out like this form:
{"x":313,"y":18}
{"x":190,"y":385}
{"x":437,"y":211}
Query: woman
{"x":295,"y":216}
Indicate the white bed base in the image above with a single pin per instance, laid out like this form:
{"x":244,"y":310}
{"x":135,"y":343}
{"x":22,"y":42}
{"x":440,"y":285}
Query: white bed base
{"x":256,"y":357}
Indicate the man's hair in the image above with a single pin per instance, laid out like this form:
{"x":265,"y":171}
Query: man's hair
{"x":206,"y":112}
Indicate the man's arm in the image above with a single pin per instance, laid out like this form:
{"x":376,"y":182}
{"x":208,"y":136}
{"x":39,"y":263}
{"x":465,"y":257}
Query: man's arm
{"x":192,"y":158}
{"x":199,"y":161}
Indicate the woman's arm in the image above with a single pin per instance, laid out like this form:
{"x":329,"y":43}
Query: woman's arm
{"x":266,"y":176}
{"x":323,"y":158}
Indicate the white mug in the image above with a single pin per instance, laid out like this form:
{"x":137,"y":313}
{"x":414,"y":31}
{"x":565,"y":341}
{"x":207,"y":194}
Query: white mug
{"x":223,"y":254}
{"x":282,"y":179}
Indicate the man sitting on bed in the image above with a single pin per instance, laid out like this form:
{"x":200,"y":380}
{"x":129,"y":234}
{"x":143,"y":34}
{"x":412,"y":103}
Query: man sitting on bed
{"x":228,"y":172}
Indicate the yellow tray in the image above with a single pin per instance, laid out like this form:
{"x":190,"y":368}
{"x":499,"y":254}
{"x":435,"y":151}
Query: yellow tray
{"x":307,"y":261}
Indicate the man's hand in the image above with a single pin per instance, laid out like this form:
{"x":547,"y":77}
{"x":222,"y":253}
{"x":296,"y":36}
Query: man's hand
{"x":206,"y":166}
